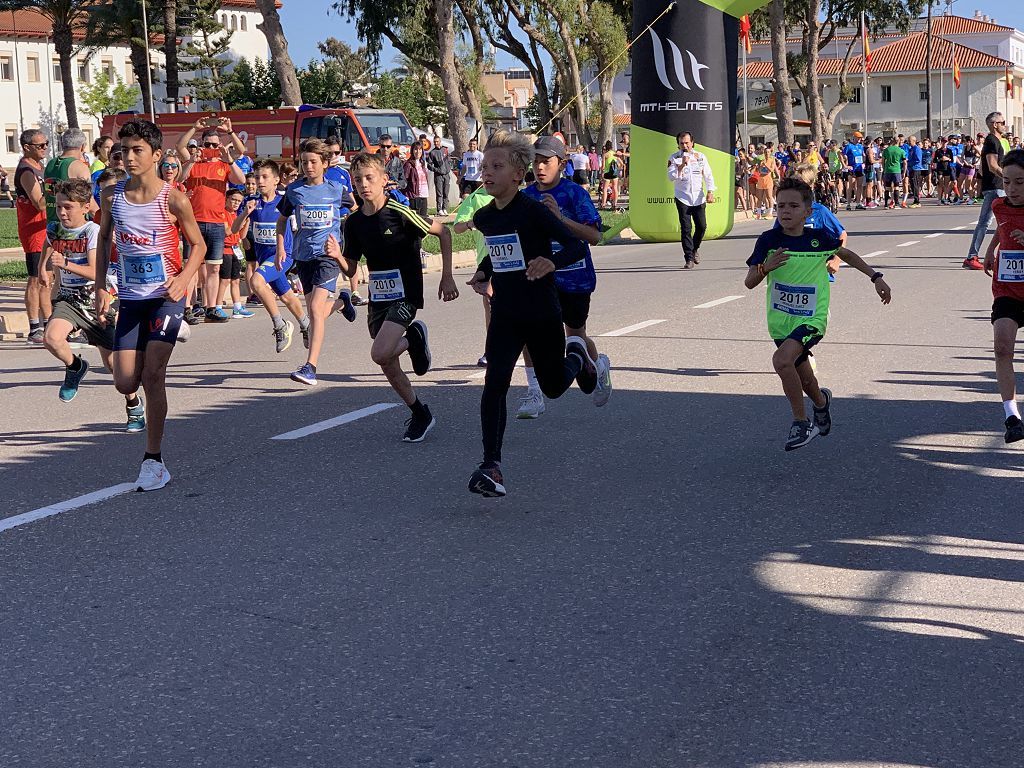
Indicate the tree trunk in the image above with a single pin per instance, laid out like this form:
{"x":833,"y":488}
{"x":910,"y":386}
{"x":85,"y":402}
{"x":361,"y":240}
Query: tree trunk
{"x":62,"y":44}
{"x":137,"y":56}
{"x":811,"y":46}
{"x":171,"y":51}
{"x":844,"y":95}
{"x":607,"y":109}
{"x":291,"y":95}
{"x":783,"y":92}
{"x":450,"y":80}
{"x":575,"y":83}
{"x":472,"y":101}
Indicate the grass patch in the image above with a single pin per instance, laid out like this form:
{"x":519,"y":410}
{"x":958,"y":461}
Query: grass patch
{"x":465,"y":241}
{"x":13,"y":270}
{"x":9,"y":229}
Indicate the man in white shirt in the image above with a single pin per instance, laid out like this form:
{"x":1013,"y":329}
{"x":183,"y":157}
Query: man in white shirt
{"x":690,"y":172}
{"x":581,"y":165}
{"x":470,"y":182}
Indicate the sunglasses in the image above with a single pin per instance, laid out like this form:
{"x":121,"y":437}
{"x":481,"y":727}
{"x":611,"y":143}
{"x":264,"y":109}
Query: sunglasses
{"x":386,"y":146}
{"x":44,"y":145}
{"x":337,"y":154}
{"x":211,"y":145}
{"x":168,"y":166}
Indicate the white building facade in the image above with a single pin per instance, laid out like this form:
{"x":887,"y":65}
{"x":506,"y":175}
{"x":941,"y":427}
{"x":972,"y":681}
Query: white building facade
{"x":31,"y":91}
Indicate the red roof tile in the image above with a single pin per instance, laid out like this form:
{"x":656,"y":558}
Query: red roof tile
{"x":961,"y":25}
{"x":904,"y":55}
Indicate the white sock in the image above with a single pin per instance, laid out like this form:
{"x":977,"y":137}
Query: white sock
{"x":1010,"y":408}
{"x":531,"y":379}
{"x":238,"y":305}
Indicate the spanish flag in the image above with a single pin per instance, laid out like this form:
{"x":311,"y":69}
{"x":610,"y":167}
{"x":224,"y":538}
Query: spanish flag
{"x":1009,"y":82}
{"x":956,"y":71}
{"x":745,"y":32}
{"x":865,"y":45}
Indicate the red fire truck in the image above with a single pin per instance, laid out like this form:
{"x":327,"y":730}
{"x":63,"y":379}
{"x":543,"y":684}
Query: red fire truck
{"x":277,"y":133}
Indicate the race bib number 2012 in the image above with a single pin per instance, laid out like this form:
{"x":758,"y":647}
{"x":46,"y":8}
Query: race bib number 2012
{"x":1011,"y":267}
{"x":505,"y":252}
{"x":798,"y":300}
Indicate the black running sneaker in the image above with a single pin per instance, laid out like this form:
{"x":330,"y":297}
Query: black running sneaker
{"x":348,"y":311}
{"x":1014,"y":430}
{"x":487,"y":481}
{"x":800,"y":434}
{"x":586,"y":379}
{"x":419,"y":350}
{"x":823,"y":416}
{"x":418,"y":426}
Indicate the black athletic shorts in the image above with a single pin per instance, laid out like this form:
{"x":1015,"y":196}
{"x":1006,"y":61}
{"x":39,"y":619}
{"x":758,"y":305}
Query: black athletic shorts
{"x":575,"y":308}
{"x":581,"y":177}
{"x":320,"y":272}
{"x":250,"y":252}
{"x":32,"y":261}
{"x":140,"y":321}
{"x":82,"y":319}
{"x":1008,"y":307}
{"x":401,"y":312}
{"x":231,"y":267}
{"x":468,"y":187}
{"x":807,"y":336}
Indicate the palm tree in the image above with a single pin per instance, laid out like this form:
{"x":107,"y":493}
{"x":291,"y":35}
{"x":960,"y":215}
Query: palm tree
{"x":65,"y":16}
{"x":116,"y":22}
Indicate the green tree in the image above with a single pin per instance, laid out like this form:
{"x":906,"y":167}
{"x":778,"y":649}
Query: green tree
{"x":116,"y":22}
{"x":423,"y":106}
{"x":326,"y":80}
{"x":63,"y":15}
{"x":251,"y":86}
{"x":206,"y":55}
{"x":101,"y":97}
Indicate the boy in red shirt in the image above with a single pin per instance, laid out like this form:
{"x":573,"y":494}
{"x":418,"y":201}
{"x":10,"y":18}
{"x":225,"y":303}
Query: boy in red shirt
{"x":231,"y":267}
{"x":1005,"y":262}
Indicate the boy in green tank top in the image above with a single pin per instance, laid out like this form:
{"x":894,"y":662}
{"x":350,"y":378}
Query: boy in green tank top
{"x":793,"y":258}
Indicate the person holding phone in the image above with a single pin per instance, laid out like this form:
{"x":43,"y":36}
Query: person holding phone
{"x":208,"y":170}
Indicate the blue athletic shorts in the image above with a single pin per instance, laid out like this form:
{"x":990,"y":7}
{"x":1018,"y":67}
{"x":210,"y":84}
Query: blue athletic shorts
{"x":141,"y":321}
{"x":321,"y":272}
{"x":276,"y":278}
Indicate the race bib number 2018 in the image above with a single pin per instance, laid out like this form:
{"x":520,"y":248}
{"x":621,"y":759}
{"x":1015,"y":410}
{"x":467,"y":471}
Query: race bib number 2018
{"x":316,"y":216}
{"x":505,"y":252}
{"x":1011,"y":267}
{"x":798,"y":300}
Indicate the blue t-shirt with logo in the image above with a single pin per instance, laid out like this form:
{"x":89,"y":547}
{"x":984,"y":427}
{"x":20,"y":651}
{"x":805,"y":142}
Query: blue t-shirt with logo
{"x":318,"y":212}
{"x":339,"y":175}
{"x":263,"y":228}
{"x":915,"y":160}
{"x":782,"y":158}
{"x":854,"y":156}
{"x":246,"y":165}
{"x":821,"y":218}
{"x":926,"y":158}
{"x":575,"y":203}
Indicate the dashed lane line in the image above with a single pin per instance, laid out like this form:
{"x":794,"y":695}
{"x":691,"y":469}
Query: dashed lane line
{"x":873,"y":254}
{"x":716,"y":302}
{"x":66,"y":506}
{"x":631,"y":328}
{"x":909,"y":242}
{"x":337,"y":421}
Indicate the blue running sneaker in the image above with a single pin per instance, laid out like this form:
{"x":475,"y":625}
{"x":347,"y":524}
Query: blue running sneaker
{"x":136,"y":416}
{"x":305,"y":375}
{"x":348,"y":311}
{"x":72,"y":379}
{"x":240,"y":314}
{"x":216,"y":315}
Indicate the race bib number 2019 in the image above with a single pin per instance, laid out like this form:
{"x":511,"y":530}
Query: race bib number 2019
{"x":1011,"y":267}
{"x":506,"y":253}
{"x":798,"y":300}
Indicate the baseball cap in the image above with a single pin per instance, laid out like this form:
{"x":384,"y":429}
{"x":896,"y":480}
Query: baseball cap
{"x":193,"y":142}
{"x":858,"y":135}
{"x":549,"y":146}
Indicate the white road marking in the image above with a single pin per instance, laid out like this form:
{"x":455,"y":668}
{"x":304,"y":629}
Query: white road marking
{"x":873,"y":254}
{"x":909,"y":242}
{"x":716,"y":302}
{"x":631,"y":328}
{"x":962,"y":226}
{"x":337,"y":421}
{"x":66,"y":506}
{"x":935,"y":234}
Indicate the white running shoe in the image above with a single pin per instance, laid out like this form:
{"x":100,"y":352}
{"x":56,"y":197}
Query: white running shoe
{"x":184,"y":332}
{"x":531,"y":405}
{"x":603,"y":390}
{"x":153,"y":476}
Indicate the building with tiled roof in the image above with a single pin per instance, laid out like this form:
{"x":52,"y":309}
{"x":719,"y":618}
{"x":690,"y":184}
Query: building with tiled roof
{"x":895,"y":94}
{"x":30,"y":85}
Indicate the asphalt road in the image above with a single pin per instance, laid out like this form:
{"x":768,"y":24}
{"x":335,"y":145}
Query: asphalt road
{"x":663,"y":587}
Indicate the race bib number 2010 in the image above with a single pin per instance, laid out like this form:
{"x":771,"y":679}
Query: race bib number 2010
{"x":386,"y":286}
{"x":798,"y":300}
{"x":1011,"y":267}
{"x":506,"y":253}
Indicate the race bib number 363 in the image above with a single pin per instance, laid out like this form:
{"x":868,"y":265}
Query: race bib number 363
{"x":316,"y":216}
{"x":505,"y":252}
{"x":144,"y":270}
{"x":1011,"y":267}
{"x":799,"y":300}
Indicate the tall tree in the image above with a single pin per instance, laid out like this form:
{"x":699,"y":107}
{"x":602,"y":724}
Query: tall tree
{"x":251,"y":86}
{"x":116,"y":22}
{"x":783,"y":91}
{"x":501,"y":35}
{"x":291,"y":94}
{"x":206,"y":54}
{"x":64,"y":16}
{"x":102,"y":97}
{"x":444,"y":13}
{"x":171,"y":25}
{"x":563,"y":44}
{"x":606,"y":40}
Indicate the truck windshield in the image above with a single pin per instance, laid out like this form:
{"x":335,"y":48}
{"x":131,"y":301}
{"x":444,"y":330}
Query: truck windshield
{"x":394,"y":124}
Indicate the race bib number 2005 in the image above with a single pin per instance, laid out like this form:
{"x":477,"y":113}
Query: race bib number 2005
{"x":316,"y":216}
{"x":1011,"y":267}
{"x":506,"y":253}
{"x":799,"y":300}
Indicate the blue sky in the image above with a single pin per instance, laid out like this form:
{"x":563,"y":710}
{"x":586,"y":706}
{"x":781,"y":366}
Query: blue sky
{"x":306,"y":22}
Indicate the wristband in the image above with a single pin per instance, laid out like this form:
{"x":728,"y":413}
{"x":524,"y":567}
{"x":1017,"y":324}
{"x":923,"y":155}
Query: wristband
{"x":876,"y":276}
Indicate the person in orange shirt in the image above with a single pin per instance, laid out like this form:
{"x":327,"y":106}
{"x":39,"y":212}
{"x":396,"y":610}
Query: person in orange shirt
{"x":208,"y":171}
{"x":31,"y":212}
{"x":230,"y":272}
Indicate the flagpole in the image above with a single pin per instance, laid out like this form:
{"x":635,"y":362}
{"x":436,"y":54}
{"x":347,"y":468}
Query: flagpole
{"x":864,"y":68}
{"x":746,"y":121}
